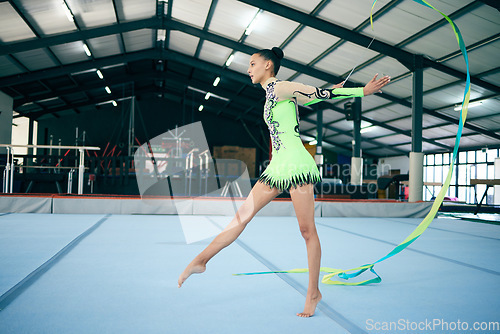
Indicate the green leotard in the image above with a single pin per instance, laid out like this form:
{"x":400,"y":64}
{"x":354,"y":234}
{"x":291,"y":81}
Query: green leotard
{"x":291,"y":164}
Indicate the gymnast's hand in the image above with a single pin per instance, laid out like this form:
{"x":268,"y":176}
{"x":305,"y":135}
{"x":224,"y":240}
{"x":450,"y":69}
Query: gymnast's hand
{"x":375,"y":85}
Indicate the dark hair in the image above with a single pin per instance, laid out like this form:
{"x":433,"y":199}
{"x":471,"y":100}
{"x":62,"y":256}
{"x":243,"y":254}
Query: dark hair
{"x":275,"y":55}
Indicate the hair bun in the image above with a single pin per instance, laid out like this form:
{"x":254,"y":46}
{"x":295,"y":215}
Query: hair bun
{"x":278,"y":52}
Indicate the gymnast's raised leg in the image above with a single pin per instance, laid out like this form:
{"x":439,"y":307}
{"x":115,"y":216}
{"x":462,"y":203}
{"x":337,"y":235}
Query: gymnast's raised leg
{"x":260,"y":195}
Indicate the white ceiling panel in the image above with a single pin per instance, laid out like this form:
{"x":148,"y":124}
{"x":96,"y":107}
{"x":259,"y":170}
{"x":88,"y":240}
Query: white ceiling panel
{"x":341,"y":60}
{"x":48,"y":16}
{"x":477,"y":140}
{"x":490,"y":122}
{"x":344,"y":125}
{"x":35,"y":59}
{"x":479,"y":24}
{"x":231,"y":18}
{"x":340,"y":139}
{"x":430,"y":147}
{"x":384,"y":66}
{"x":382,"y":152}
{"x":402,"y":124}
{"x":375,"y":131}
{"x":343,"y":13}
{"x":308,"y":80}
{"x":493,"y":78}
{"x":429,"y":120}
{"x":388,"y":113}
{"x":440,"y":132}
{"x":12,"y":26}
{"x":367,"y":145}
{"x":270,"y":30}
{"x":130,"y":10}
{"x":372,"y":101}
{"x":436,"y":44}
{"x":105,"y":46}
{"x":434,"y":78}
{"x":331,"y":116}
{"x":450,"y":96}
{"x":8,"y":68}
{"x":216,"y":54}
{"x":402,"y":21}
{"x":139,"y":39}
{"x":284,"y":74}
{"x":479,"y":59}
{"x":396,"y":139}
{"x":182,"y":42}
{"x":193,"y":12}
{"x":308,"y":44}
{"x":94,"y":13}
{"x":306,"y":126}
{"x":70,"y":52}
{"x":399,"y":88}
{"x":303,"y":6}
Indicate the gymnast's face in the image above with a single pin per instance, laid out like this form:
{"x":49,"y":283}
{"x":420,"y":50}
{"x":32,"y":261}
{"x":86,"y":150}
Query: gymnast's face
{"x":259,"y":69}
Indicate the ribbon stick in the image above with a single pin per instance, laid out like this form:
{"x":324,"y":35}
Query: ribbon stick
{"x":346,"y":274}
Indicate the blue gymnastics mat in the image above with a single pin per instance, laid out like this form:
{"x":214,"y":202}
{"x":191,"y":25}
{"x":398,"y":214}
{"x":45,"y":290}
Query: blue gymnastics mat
{"x":118,"y":274}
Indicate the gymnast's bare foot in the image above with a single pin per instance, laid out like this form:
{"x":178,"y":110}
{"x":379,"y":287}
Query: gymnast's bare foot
{"x":195,"y":267}
{"x":312,"y":300}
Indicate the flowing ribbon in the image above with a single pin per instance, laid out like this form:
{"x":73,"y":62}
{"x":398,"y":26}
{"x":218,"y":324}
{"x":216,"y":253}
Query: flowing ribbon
{"x":351,"y":273}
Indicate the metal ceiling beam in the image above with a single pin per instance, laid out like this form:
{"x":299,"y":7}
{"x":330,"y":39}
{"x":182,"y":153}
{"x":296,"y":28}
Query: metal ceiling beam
{"x":346,"y":149}
{"x":115,"y":96}
{"x":331,"y":28}
{"x":208,"y":20}
{"x":45,"y":42}
{"x":436,"y":25}
{"x":383,"y":125}
{"x":492,"y":3}
{"x":78,"y":67}
{"x":404,"y":57}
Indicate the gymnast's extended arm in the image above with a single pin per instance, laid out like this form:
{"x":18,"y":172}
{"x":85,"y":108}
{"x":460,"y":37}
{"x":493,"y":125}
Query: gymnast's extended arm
{"x":307,"y":95}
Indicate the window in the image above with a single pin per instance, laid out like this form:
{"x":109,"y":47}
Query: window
{"x":473,"y":164}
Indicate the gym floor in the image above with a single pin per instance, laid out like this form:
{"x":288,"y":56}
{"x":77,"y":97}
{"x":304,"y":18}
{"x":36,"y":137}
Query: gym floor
{"x":66,"y":273}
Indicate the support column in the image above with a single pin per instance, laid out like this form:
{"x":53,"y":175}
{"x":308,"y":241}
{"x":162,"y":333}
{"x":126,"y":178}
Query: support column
{"x":496,"y":193}
{"x":131,"y":128}
{"x":318,"y":158}
{"x":356,"y":160}
{"x":416,"y":156}
{"x":29,"y":161}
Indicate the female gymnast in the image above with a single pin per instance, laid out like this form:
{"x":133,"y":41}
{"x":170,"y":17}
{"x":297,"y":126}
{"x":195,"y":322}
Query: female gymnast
{"x":291,"y":168}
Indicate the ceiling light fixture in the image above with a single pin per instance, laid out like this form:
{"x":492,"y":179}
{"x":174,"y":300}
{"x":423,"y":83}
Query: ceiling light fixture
{"x":108,"y":90}
{"x":67,"y":11}
{"x":87,"y":50}
{"x":471,"y":105}
{"x":313,"y":142}
{"x":99,"y":74}
{"x":230,"y":59}
{"x":216,"y":81}
{"x":200,"y":108}
{"x":161,"y":35}
{"x":253,"y":23}
{"x":207,"y":95}
{"x":114,"y":103}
